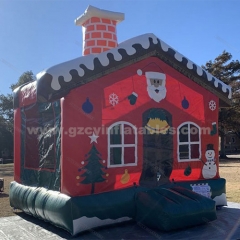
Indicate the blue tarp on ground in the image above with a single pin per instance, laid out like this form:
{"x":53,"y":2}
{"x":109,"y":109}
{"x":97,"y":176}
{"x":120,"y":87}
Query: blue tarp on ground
{"x":22,"y":226}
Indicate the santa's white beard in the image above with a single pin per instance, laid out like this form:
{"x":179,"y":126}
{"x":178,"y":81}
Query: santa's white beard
{"x":156,"y":96}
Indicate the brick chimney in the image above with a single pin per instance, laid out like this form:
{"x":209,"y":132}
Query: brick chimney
{"x":99,"y":29}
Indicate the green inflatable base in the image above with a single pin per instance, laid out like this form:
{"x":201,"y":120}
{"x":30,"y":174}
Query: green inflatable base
{"x":77,"y":214}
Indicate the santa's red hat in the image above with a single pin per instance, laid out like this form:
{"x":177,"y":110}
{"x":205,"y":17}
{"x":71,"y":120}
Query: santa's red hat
{"x":152,"y":70}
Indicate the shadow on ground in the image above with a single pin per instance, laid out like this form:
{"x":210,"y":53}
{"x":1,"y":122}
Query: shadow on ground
{"x":3,"y":195}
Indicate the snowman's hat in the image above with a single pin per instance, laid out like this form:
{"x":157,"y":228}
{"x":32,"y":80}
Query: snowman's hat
{"x":152,"y":70}
{"x":210,"y":146}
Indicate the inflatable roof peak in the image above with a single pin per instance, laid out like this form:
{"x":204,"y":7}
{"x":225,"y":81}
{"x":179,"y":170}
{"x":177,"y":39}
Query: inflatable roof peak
{"x":53,"y":82}
{"x":56,"y":81}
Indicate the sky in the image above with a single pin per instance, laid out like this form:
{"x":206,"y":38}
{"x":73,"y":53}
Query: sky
{"x":38,"y":34}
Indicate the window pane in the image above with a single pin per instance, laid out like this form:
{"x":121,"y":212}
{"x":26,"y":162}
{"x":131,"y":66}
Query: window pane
{"x":47,"y":139}
{"x":47,"y":149}
{"x":184,"y":151}
{"x":129,"y":136}
{"x":183,"y":133}
{"x":129,"y":155}
{"x":30,"y":118}
{"x":194,"y":133}
{"x":195,"y":151}
{"x":115,"y":135}
{"x":115,"y":155}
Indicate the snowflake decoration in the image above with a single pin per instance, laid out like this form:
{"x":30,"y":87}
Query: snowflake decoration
{"x":113,"y":99}
{"x":212,"y":105}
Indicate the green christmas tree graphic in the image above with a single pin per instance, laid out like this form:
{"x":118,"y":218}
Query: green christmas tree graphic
{"x":94,"y":172}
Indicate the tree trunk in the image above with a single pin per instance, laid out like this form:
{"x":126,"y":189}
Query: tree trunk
{"x":222,"y":146}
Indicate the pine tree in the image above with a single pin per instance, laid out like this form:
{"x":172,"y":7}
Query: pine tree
{"x":6,"y":114}
{"x":26,"y":77}
{"x":93,"y":173}
{"x":228,"y":71}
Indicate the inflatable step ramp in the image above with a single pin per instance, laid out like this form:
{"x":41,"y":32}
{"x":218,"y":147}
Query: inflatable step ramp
{"x":173,"y":208}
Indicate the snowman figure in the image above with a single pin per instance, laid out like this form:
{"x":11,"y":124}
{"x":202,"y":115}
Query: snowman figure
{"x":209,"y":169}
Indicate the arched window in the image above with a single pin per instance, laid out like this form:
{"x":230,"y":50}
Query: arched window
{"x":189,"y":142}
{"x":122,"y":144}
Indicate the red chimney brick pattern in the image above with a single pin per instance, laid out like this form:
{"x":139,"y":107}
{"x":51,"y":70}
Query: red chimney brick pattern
{"x":99,"y":29}
{"x":99,"y":35}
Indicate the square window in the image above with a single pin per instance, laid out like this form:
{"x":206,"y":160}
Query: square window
{"x":129,"y":155}
{"x":195,"y":151}
{"x":194,"y":133}
{"x":184,"y":151}
{"x":115,"y":135}
{"x":122,"y":144}
{"x":189,"y":142}
{"x":183,"y":133}
{"x":129,"y":135}
{"x":115,"y":155}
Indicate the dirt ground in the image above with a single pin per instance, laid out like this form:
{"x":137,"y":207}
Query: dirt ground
{"x":6,"y":172}
{"x":229,"y":169}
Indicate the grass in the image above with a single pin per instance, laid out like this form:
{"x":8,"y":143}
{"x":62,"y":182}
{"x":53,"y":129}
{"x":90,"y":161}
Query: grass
{"x":229,"y":169}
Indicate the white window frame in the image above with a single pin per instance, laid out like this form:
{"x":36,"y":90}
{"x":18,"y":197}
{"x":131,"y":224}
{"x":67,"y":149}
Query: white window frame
{"x":189,"y":142}
{"x":122,"y":145}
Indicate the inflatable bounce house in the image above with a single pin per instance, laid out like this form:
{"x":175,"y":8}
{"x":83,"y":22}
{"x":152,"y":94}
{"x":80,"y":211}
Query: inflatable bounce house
{"x":125,"y":132}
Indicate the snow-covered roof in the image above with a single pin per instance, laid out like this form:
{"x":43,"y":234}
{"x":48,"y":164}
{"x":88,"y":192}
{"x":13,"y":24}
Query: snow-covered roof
{"x":63,"y":69}
{"x":57,"y":81}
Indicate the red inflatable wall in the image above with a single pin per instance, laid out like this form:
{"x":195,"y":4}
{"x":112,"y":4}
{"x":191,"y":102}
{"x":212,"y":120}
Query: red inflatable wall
{"x":121,"y":100}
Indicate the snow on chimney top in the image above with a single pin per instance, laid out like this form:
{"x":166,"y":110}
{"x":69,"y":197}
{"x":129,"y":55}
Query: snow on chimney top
{"x":99,"y":29}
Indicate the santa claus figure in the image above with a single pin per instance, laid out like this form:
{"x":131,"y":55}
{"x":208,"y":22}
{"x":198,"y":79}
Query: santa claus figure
{"x":156,"y":85}
{"x":156,"y":82}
